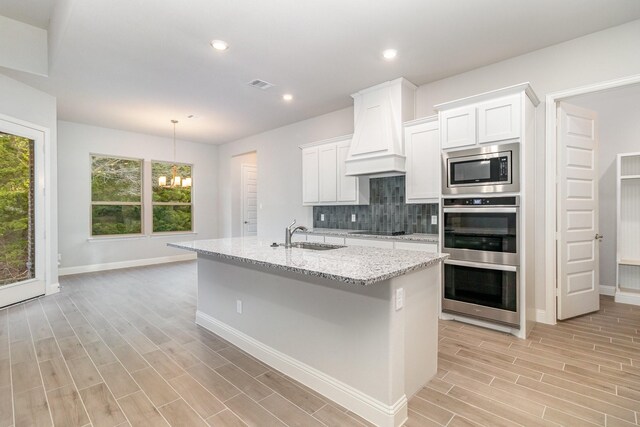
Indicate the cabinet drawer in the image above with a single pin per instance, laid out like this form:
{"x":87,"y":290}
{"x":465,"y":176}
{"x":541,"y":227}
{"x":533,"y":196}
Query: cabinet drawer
{"x":413,"y":246}
{"x":334,"y":240}
{"x":374,"y":243}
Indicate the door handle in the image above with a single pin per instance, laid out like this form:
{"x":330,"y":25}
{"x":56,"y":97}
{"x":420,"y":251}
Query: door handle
{"x":246,"y":222}
{"x":599,"y":237}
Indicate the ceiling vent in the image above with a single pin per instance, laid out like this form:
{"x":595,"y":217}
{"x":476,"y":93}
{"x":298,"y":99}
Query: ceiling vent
{"x":260,"y":84}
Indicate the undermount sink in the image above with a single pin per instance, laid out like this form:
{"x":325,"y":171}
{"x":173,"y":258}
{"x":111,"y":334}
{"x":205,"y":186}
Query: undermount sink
{"x":315,"y":246}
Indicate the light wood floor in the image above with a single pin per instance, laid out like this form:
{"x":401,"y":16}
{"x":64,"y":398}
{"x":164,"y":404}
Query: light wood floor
{"x":121,"y":348}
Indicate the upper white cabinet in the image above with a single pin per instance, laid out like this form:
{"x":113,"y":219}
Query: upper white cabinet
{"x":499,"y":119}
{"x":422,"y":146}
{"x":323,"y":175}
{"x":458,"y":127}
{"x":486,"y":118}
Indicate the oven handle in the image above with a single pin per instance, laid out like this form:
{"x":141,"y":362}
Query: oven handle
{"x":482,"y":265}
{"x":485,"y":210}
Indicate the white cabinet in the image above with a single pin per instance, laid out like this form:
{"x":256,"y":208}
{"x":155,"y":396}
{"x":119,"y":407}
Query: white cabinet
{"x":422,"y":146}
{"x":327,"y":172}
{"x":324,"y":181}
{"x":494,"y":117}
{"x":499,"y":119}
{"x":458,"y":127}
{"x":310,"y":176}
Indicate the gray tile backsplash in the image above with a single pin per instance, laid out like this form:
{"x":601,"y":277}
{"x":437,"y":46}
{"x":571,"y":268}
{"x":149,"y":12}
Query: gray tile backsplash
{"x":387,"y":211}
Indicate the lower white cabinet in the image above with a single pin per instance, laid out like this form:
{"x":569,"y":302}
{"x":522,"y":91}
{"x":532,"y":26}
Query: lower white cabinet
{"x":323,"y":175}
{"x":422,"y":148}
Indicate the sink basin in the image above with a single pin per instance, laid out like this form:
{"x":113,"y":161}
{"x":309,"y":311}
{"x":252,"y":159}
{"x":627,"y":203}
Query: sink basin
{"x":316,"y":246}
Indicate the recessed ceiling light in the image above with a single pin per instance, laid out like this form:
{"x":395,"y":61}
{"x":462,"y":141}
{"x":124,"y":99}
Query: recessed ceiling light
{"x":287,"y":97}
{"x":389,"y":54}
{"x":219,"y":44}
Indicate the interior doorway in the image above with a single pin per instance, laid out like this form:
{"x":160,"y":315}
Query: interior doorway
{"x":581,"y":210}
{"x":244,"y":197}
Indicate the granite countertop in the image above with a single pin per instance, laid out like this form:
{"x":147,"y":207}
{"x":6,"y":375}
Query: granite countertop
{"x":340,"y":232}
{"x":351,"y":264}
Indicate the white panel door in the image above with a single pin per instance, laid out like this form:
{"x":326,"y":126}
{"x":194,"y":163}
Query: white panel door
{"x":249,"y":200}
{"x":22,"y":236}
{"x":423,"y":162}
{"x":577,"y":217}
{"x":310,"y":185}
{"x":499,"y":119}
{"x":347,"y":185}
{"x":458,"y":127}
{"x":328,"y":167}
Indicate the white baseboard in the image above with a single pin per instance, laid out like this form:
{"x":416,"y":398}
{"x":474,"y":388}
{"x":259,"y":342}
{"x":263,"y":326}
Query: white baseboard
{"x":124,"y":264}
{"x":362,"y":404}
{"x":53,"y":288}
{"x":627,"y":298}
{"x":607,"y":290}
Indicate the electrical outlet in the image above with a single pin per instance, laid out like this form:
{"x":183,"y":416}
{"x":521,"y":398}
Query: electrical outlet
{"x":239,"y":306}
{"x":353,"y":217}
{"x":434,"y":219}
{"x":399,"y":298}
{"x":321,"y":217}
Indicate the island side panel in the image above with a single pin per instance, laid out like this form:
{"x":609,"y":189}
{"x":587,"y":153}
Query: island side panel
{"x":340,"y":329}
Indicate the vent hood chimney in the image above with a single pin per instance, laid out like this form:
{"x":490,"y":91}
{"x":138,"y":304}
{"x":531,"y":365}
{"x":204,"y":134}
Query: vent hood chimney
{"x":377,"y":147}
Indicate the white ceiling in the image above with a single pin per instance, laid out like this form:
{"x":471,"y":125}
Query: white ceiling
{"x":135,"y":65}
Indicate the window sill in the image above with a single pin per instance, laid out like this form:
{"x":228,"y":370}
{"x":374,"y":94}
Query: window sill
{"x":172,"y":233}
{"x":116,"y":238}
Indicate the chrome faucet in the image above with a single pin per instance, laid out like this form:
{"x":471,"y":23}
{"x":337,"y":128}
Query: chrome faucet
{"x":288,"y":233}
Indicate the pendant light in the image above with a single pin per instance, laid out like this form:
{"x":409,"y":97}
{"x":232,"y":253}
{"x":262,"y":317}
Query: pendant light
{"x":176,"y":180}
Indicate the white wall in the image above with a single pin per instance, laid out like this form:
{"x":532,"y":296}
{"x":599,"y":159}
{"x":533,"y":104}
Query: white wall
{"x":25,"y":103}
{"x":279,"y":172}
{"x":76,"y":143}
{"x":605,"y":55}
{"x":236,"y":189}
{"x":619,"y":132}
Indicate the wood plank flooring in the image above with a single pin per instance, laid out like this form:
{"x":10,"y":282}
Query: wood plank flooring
{"x":121,"y":348}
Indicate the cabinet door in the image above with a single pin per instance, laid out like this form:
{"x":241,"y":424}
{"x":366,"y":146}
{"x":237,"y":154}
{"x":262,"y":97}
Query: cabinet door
{"x":422,"y":144}
{"x":328,"y":175}
{"x":347,"y":185}
{"x":310,"y":185}
{"x":374,"y":243}
{"x":499,"y":119}
{"x":458,"y":127}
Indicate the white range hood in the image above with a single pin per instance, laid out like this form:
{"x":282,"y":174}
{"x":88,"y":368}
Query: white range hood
{"x":377,"y":147}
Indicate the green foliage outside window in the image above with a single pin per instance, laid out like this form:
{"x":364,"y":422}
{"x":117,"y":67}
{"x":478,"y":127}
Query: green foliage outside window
{"x":172,"y":209}
{"x":116,"y":196}
{"x":16,"y":209}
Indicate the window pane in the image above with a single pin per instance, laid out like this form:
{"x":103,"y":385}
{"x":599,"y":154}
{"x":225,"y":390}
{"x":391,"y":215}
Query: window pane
{"x":115,"y":180}
{"x":171,"y":218}
{"x":176,"y":194}
{"x":116,"y":219}
{"x":17,"y":244}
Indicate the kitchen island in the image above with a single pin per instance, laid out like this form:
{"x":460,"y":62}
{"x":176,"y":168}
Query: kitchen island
{"x":356,"y":324}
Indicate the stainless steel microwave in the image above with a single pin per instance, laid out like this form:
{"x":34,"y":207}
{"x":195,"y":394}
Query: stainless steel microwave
{"x":491,"y":169}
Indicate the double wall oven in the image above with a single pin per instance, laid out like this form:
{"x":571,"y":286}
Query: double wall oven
{"x":481,"y":277}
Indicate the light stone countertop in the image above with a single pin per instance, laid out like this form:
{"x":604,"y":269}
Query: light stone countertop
{"x":352,"y":264}
{"x":340,"y":232}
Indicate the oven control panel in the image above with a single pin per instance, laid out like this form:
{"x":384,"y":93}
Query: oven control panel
{"x":482,"y":201}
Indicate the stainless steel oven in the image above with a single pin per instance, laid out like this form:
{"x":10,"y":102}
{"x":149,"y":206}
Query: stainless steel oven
{"x":491,"y":169}
{"x":480,"y":290}
{"x":482,"y":229}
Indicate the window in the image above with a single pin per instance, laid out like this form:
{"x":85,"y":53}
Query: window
{"x":116,"y":196}
{"x":172,"y":206}
{"x":17,"y":211}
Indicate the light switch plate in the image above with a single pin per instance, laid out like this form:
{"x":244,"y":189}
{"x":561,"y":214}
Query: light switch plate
{"x":434,"y":219}
{"x":353,"y":217}
{"x":321,"y":217}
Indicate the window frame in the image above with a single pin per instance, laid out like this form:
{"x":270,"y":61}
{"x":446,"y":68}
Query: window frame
{"x":153,"y":204}
{"x":93,"y":203}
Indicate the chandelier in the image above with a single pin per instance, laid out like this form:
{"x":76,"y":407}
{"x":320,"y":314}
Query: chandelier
{"x":176,"y":179}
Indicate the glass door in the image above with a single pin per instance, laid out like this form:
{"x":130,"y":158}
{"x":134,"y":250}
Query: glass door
{"x":21,"y":216}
